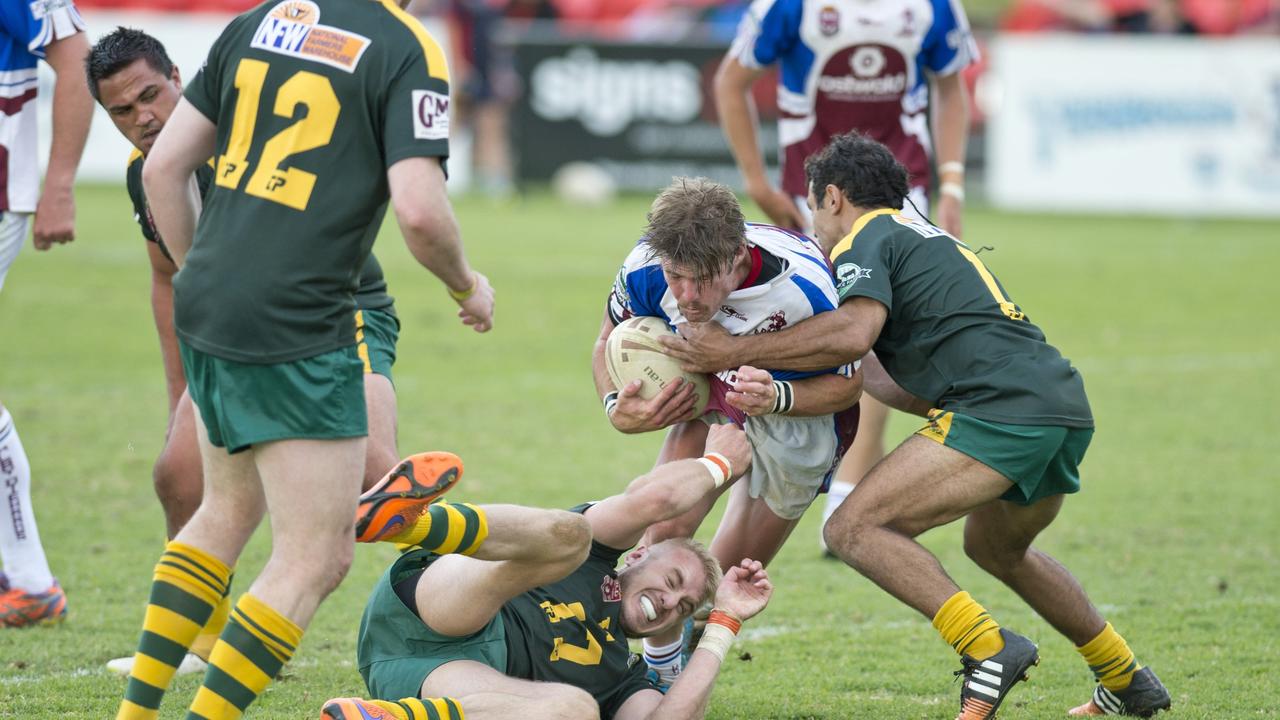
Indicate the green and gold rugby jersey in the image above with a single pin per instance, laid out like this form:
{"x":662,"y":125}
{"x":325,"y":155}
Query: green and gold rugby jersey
{"x":313,"y":101}
{"x":370,"y":295}
{"x":952,"y":336}
{"x":570,"y":632}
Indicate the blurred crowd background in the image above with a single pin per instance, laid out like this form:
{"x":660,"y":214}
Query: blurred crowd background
{"x":1156,"y":106}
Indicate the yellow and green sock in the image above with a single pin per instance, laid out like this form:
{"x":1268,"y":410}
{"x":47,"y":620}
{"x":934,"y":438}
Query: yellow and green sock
{"x":1110,"y":659}
{"x":187,"y":585}
{"x":446,"y":528}
{"x":968,"y":628}
{"x":426,"y":709}
{"x":254,"y":645}
{"x":204,"y":642}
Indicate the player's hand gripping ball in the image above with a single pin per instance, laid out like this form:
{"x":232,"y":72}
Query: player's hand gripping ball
{"x":633,"y":352}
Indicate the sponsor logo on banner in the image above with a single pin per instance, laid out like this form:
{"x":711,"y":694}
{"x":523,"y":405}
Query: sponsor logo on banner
{"x":430,"y":115}
{"x":829,"y":20}
{"x":292,"y":28}
{"x":848,"y":274}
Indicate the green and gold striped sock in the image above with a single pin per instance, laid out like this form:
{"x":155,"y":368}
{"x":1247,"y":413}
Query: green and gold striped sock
{"x":188,"y":583}
{"x":967,"y":627}
{"x":1110,"y":659}
{"x":255,"y":644}
{"x":432,"y":709}
{"x":446,"y":528}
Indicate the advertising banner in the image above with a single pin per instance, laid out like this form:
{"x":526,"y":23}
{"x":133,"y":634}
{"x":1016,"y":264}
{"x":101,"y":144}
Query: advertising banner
{"x":641,"y":112}
{"x":1179,"y":126}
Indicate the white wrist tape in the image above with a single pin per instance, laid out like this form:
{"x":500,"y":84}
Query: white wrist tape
{"x":954,"y":166}
{"x":719,"y":467}
{"x":954,"y":189}
{"x":610,"y":402}
{"x":716,"y":639}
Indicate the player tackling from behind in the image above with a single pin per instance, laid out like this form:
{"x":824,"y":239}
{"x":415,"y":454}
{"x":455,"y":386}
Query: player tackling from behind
{"x":320,"y":115}
{"x":1009,"y":427}
{"x":508,"y":612}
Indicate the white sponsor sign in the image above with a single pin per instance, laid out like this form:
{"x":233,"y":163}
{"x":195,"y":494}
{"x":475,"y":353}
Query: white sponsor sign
{"x":1135,"y":124}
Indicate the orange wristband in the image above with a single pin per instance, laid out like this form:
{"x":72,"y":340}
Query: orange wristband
{"x":725,"y":618}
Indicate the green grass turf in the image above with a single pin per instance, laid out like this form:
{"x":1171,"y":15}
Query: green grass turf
{"x":1174,"y":535}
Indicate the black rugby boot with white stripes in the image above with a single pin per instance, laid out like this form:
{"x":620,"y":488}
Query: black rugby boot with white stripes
{"x":1144,"y":697}
{"x":987,"y":682}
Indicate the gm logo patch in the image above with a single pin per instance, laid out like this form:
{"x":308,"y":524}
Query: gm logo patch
{"x":292,"y":28}
{"x":430,"y":115}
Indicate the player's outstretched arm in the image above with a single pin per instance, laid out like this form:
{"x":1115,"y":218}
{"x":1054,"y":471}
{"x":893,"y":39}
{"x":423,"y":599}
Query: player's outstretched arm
{"x":743,"y":593}
{"x":670,"y":489}
{"x":741,"y":127}
{"x":55,"y":220}
{"x":627,"y":411}
{"x":826,"y":340}
{"x":430,"y":229}
{"x":755,"y":393}
{"x":186,"y":142}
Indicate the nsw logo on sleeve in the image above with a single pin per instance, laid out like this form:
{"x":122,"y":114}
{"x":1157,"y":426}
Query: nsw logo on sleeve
{"x":430,"y":115}
{"x":293,"y":28}
{"x":847,"y":274}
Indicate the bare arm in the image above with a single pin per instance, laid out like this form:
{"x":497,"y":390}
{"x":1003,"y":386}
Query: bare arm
{"x":741,"y":125}
{"x":431,"y":231}
{"x":950,"y":133}
{"x":825,"y":340}
{"x":72,"y":111}
{"x":667,"y":491}
{"x":755,"y":393}
{"x":185,"y":144}
{"x":162,"y":272}
{"x":743,"y":593}
{"x":882,"y":387}
{"x":634,"y":414}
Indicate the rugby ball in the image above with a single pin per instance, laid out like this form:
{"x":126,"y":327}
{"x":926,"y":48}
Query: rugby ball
{"x":633,"y":352}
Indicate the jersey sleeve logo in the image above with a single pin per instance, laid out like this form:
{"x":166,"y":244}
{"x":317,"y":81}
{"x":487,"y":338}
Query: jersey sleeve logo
{"x":292,"y":28}
{"x":430,"y":115}
{"x":847,"y":274}
{"x":829,"y":20}
{"x":611,"y":589}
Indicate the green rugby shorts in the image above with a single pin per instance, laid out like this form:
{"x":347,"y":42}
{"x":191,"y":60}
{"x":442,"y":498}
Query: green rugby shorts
{"x":1040,"y":460}
{"x":243,"y":404}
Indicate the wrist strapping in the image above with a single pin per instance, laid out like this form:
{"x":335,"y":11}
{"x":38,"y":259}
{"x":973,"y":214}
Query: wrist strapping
{"x":464,"y":294}
{"x":610,"y":403}
{"x":954,"y":166}
{"x":784,"y":399}
{"x":954,"y":189}
{"x":722,"y":627}
{"x":719,"y":467}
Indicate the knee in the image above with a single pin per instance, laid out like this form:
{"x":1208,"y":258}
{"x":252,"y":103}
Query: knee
{"x":678,"y":527}
{"x":178,"y":485}
{"x":845,"y":531}
{"x":566,"y":702}
{"x":571,"y":534}
{"x":331,"y":575}
{"x":990,"y":556}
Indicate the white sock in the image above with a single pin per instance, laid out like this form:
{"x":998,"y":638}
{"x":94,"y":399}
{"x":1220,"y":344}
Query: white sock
{"x":24,"y":560}
{"x":835,"y":495}
{"x":664,"y":659}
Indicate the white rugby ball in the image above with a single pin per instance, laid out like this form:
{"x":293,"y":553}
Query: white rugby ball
{"x":633,"y":352}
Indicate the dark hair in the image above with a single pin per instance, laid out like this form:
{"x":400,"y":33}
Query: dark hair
{"x":697,"y":224}
{"x":120,"y":48}
{"x":865,"y":171}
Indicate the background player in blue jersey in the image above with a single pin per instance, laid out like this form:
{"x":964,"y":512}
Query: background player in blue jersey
{"x":853,"y":65}
{"x":30,"y":31}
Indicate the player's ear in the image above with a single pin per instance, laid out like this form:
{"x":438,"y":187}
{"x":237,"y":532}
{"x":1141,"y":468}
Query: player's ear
{"x":833,"y":197}
{"x":176,"y":77}
{"x":635,"y":556}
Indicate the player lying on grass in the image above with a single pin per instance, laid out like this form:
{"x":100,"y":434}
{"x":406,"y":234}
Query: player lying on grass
{"x":1002,"y":448}
{"x":700,"y":262}
{"x":131,"y":75}
{"x":516,"y":612}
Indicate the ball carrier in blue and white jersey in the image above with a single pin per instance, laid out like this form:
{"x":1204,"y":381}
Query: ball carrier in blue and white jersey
{"x":700,"y":262}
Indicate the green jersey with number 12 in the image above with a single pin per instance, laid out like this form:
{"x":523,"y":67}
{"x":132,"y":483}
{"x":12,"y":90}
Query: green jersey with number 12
{"x":313,"y":101}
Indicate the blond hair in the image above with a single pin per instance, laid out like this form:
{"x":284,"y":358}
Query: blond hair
{"x":697,"y":224}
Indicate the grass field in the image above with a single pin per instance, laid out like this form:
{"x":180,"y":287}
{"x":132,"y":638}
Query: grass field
{"x":1174,"y":534}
